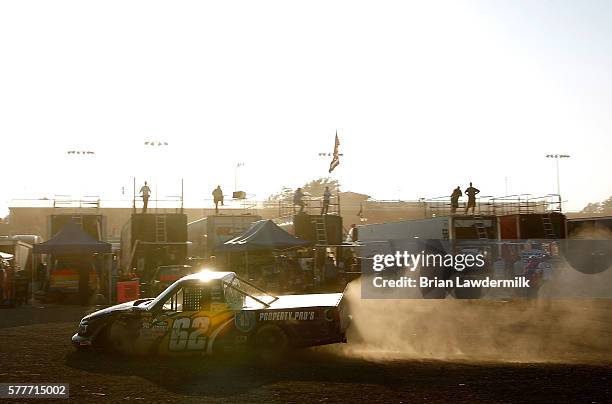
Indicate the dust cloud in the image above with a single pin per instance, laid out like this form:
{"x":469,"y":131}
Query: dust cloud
{"x":599,"y":233}
{"x":507,"y":330}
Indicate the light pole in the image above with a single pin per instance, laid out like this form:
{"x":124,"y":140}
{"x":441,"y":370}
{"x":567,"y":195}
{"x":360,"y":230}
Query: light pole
{"x":85,"y":156}
{"x":238,"y":165}
{"x":557,"y":157}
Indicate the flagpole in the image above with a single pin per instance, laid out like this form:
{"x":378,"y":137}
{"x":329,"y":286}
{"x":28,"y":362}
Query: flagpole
{"x":334,"y":163}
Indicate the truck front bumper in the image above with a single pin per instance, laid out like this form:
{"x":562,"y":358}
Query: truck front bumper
{"x":80,"y":341}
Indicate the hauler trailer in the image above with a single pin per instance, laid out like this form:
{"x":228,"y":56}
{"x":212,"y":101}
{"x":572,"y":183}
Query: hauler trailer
{"x":13,"y":286}
{"x":91,"y":223}
{"x":21,"y":251}
{"x":589,"y":248}
{"x":207,"y":233}
{"x":325,"y":231}
{"x":525,"y":226}
{"x":435,"y":228}
{"x":590,"y":227}
{"x":440,"y":235}
{"x":150,"y":240}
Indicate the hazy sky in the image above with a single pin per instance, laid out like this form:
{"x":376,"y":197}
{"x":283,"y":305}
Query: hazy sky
{"x":424,"y":95}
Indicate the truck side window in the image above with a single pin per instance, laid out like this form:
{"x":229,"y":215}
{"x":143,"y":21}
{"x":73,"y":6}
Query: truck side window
{"x":234,"y":298}
{"x":175,"y":302}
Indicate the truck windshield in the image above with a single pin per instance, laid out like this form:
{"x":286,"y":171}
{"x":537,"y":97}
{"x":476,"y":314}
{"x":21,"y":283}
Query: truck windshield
{"x":241,"y":292}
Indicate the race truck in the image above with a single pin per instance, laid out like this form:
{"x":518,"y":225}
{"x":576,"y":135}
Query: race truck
{"x":214,"y":313}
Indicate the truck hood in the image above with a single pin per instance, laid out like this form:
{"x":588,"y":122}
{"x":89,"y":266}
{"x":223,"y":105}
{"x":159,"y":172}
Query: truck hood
{"x":115,"y":309}
{"x":301,"y":301}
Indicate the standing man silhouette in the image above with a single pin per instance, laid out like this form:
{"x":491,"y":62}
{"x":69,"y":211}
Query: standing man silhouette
{"x":326,"y":199}
{"x":471,"y":193}
{"x":298,"y":199}
{"x":217,"y":197}
{"x":455,"y":199}
{"x":145,"y":191}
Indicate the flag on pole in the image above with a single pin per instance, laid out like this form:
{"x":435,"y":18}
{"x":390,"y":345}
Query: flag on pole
{"x":336,"y":157}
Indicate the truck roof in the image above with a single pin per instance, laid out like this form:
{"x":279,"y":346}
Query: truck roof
{"x":207,"y":275}
{"x":304,"y":301}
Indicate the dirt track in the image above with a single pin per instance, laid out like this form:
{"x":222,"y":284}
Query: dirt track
{"x":35,"y":347}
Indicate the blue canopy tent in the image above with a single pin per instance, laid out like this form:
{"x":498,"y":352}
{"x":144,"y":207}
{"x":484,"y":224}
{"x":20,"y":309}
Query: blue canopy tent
{"x":71,"y":239}
{"x":263,"y":235}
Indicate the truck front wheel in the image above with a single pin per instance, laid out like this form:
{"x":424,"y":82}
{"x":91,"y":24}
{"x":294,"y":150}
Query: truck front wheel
{"x":120,"y":339}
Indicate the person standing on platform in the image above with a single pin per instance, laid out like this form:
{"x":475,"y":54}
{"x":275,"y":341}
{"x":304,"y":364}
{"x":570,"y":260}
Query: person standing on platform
{"x":145,"y":191}
{"x":455,"y":199}
{"x":298,"y":199}
{"x":326,"y":199}
{"x":471,"y":192}
{"x":217,"y":198}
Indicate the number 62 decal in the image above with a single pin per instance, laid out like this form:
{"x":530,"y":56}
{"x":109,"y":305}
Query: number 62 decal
{"x":189,"y":333}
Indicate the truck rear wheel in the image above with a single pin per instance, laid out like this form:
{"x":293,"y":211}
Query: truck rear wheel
{"x":271,"y":343}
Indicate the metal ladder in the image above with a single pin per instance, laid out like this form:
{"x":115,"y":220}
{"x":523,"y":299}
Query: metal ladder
{"x":549,"y":230}
{"x":445,"y":234}
{"x":320,"y":229}
{"x":160,"y":228}
{"x":481,"y":231}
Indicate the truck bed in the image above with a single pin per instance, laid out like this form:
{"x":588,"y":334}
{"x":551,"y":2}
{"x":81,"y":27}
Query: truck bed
{"x":300,"y":301}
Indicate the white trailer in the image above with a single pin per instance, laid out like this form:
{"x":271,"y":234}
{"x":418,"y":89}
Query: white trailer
{"x":407,"y":235}
{"x":435,"y":228}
